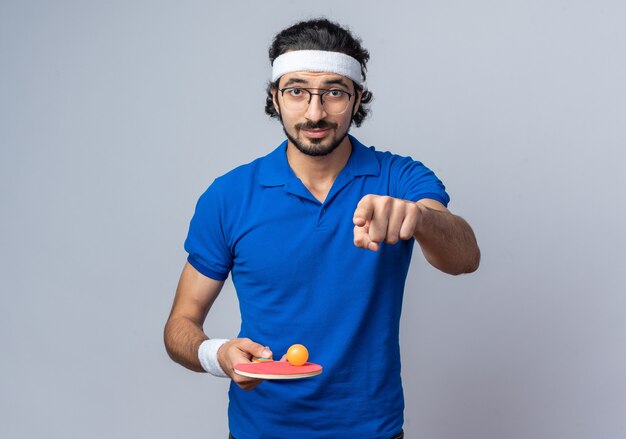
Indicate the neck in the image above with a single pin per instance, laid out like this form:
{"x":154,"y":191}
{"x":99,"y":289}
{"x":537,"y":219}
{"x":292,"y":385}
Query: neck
{"x":318,"y":173}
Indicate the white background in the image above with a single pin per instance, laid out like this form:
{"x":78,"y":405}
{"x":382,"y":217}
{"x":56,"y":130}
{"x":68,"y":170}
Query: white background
{"x":116,"y":115}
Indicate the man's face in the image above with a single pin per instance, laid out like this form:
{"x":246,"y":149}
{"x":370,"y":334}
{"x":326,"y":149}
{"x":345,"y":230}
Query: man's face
{"x":312,"y":130}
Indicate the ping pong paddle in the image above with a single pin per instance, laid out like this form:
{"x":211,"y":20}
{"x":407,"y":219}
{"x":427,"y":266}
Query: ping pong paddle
{"x":277,"y":370}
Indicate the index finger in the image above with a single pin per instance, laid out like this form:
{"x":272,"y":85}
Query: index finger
{"x":364,"y":211}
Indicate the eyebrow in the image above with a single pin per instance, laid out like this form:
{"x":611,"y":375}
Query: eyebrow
{"x":336,"y":82}
{"x":303,"y":81}
{"x":294,"y":81}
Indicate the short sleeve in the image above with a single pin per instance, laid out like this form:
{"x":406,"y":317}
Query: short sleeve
{"x":206,"y":242}
{"x":414,"y":181}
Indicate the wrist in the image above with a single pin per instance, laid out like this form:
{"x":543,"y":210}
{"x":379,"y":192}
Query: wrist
{"x":207,"y":354}
{"x":424,"y":212}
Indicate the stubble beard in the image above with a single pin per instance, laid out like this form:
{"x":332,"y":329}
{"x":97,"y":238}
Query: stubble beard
{"x":314,"y":148}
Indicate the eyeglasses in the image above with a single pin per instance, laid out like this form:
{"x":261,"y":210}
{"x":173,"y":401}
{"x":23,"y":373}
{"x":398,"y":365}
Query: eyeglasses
{"x":333,"y":100}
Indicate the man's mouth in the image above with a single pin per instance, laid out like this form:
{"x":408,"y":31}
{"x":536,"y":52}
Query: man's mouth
{"x":315,"y":131}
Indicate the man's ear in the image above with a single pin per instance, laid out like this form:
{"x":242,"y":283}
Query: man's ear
{"x":275,"y":99}
{"x":357,"y":104}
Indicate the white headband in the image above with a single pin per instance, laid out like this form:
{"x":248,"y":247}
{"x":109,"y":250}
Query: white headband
{"x":317,"y":61}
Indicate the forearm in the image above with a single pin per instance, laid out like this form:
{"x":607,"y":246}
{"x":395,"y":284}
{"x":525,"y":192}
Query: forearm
{"x":183,"y":338}
{"x":447,"y":241}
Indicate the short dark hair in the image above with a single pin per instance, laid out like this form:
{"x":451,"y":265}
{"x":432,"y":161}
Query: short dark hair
{"x":320,"y":34}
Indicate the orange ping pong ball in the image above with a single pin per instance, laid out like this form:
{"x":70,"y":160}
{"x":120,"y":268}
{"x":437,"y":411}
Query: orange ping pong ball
{"x":297,"y":355}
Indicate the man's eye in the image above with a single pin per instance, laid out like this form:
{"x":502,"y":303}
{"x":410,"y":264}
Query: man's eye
{"x":335,"y":93}
{"x":295,"y":92}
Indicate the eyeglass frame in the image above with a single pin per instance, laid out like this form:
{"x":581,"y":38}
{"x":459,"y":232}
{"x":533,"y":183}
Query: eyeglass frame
{"x":321,"y":95}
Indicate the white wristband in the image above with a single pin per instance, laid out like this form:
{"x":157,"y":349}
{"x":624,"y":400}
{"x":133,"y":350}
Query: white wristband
{"x":207,"y":354}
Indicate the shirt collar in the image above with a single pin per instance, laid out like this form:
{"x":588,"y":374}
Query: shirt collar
{"x":275,"y":171}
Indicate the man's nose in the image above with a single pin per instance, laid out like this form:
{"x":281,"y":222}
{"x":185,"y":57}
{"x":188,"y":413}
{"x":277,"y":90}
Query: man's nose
{"x":315,"y":110}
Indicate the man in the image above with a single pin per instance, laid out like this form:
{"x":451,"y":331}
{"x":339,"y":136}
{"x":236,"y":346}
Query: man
{"x":318,"y":236}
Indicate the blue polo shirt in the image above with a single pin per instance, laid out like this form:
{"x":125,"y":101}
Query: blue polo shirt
{"x":300,"y":279}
